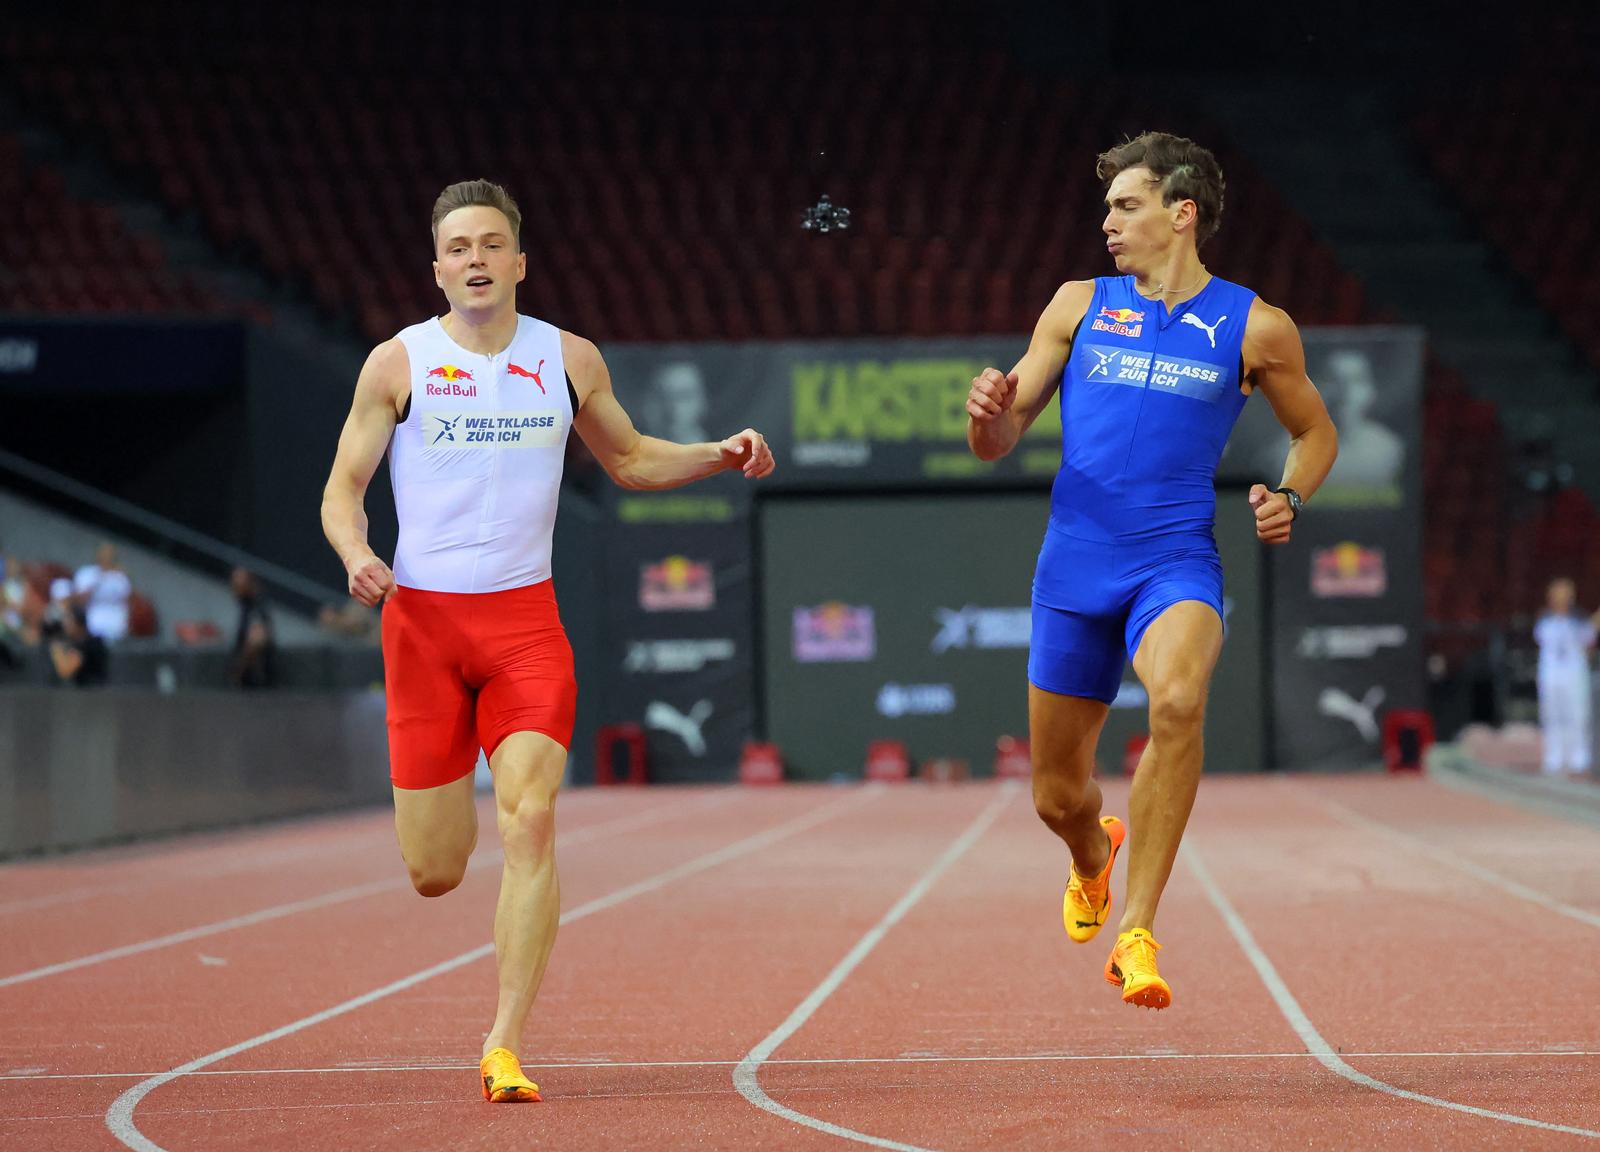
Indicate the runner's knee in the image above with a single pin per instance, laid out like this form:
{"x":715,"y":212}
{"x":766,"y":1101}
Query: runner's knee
{"x":527,"y":825}
{"x":434,"y":874}
{"x":1058,"y":798}
{"x":1176,"y":708}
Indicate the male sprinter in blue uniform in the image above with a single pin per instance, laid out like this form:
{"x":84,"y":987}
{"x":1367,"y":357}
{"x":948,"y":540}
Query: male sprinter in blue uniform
{"x":1154,"y":367}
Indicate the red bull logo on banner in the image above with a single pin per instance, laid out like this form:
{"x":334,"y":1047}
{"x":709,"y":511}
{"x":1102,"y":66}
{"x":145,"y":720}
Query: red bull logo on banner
{"x":834,"y":632}
{"x":677,"y":584}
{"x":1348,"y":569}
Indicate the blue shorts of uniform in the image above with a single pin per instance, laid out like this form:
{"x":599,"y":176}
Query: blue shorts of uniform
{"x":1092,"y":602}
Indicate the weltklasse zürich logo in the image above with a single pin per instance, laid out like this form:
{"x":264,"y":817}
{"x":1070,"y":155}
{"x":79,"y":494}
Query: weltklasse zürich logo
{"x":536,"y":429}
{"x":446,"y":429}
{"x":1107,"y":360}
{"x":1174,"y":375}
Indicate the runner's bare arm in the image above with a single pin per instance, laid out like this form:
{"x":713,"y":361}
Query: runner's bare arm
{"x":642,"y":462}
{"x":367,"y":431}
{"x":1000,"y":409}
{"x":1275,"y":363}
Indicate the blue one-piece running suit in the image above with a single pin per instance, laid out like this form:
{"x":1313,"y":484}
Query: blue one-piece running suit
{"x":1148,"y":399}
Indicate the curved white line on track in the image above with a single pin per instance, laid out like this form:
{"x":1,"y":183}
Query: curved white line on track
{"x":1515,"y":793}
{"x":821,"y":1061}
{"x":338,"y":896}
{"x":1311,"y":1038}
{"x":746,"y":1076}
{"x":119,"y":1117}
{"x":1416,"y":844}
{"x":34,"y":903}
{"x":169,"y":860}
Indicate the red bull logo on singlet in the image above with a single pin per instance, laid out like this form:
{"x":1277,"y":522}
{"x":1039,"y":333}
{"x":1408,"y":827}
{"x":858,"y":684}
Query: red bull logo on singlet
{"x":1121,"y":321}
{"x":452,"y":386}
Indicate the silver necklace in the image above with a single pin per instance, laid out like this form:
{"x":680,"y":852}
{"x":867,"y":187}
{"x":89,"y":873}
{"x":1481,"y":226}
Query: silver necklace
{"x":1163,"y":290}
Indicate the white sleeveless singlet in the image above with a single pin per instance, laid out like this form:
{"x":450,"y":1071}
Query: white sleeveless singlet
{"x":476,"y":464}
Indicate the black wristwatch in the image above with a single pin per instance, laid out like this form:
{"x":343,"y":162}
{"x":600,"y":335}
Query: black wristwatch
{"x":1294,"y":501}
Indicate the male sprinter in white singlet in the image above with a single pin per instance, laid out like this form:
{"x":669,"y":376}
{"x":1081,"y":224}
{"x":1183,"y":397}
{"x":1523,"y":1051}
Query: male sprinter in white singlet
{"x":474,"y":410}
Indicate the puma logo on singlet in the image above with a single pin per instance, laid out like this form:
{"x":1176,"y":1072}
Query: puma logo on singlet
{"x":666,"y":718}
{"x":1209,"y":329}
{"x":518,"y":370}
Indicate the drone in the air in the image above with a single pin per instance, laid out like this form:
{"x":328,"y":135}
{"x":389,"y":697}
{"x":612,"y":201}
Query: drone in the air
{"x":825,"y":217}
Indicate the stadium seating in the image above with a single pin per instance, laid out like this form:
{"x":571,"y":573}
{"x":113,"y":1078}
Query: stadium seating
{"x":60,"y":253}
{"x":1515,"y":152}
{"x":658,"y":204}
{"x":663,"y":165}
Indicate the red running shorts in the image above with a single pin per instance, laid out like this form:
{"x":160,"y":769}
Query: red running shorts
{"x":464,"y":670}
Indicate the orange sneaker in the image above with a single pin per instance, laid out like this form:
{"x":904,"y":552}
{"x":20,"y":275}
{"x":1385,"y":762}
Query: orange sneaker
{"x":1086,"y":903}
{"x":1132,"y":967}
{"x":503,"y":1081}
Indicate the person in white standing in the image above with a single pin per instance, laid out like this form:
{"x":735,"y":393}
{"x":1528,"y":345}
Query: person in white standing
{"x":104,"y":589}
{"x":1565,"y":638}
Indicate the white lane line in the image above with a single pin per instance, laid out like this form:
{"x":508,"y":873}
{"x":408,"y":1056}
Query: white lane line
{"x":821,"y":1061}
{"x":746,"y":1075}
{"x":338,"y":896}
{"x":1311,"y":1038}
{"x":120,"y":1119}
{"x":170,"y":864}
{"x":1415,"y":844}
{"x":1514,"y":792}
{"x":36,"y":902}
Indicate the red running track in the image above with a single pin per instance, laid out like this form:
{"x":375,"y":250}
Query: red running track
{"x":1356,"y":962}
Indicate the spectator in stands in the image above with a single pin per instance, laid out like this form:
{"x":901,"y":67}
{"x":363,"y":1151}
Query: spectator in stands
{"x":1565,"y":638}
{"x":30,"y":615}
{"x":13,"y":597}
{"x":254,"y":647}
{"x":77,"y":656}
{"x":103,"y":588}
{"x":57,"y":607}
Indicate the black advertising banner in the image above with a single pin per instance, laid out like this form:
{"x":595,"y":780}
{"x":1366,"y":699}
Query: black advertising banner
{"x":133,"y":357}
{"x":678,"y":644}
{"x":876,"y":416}
{"x":896,"y":618}
{"x":869,"y":413}
{"x":1371,"y":380}
{"x":876,"y":413}
{"x":908,"y":618}
{"x":1347,"y":590}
